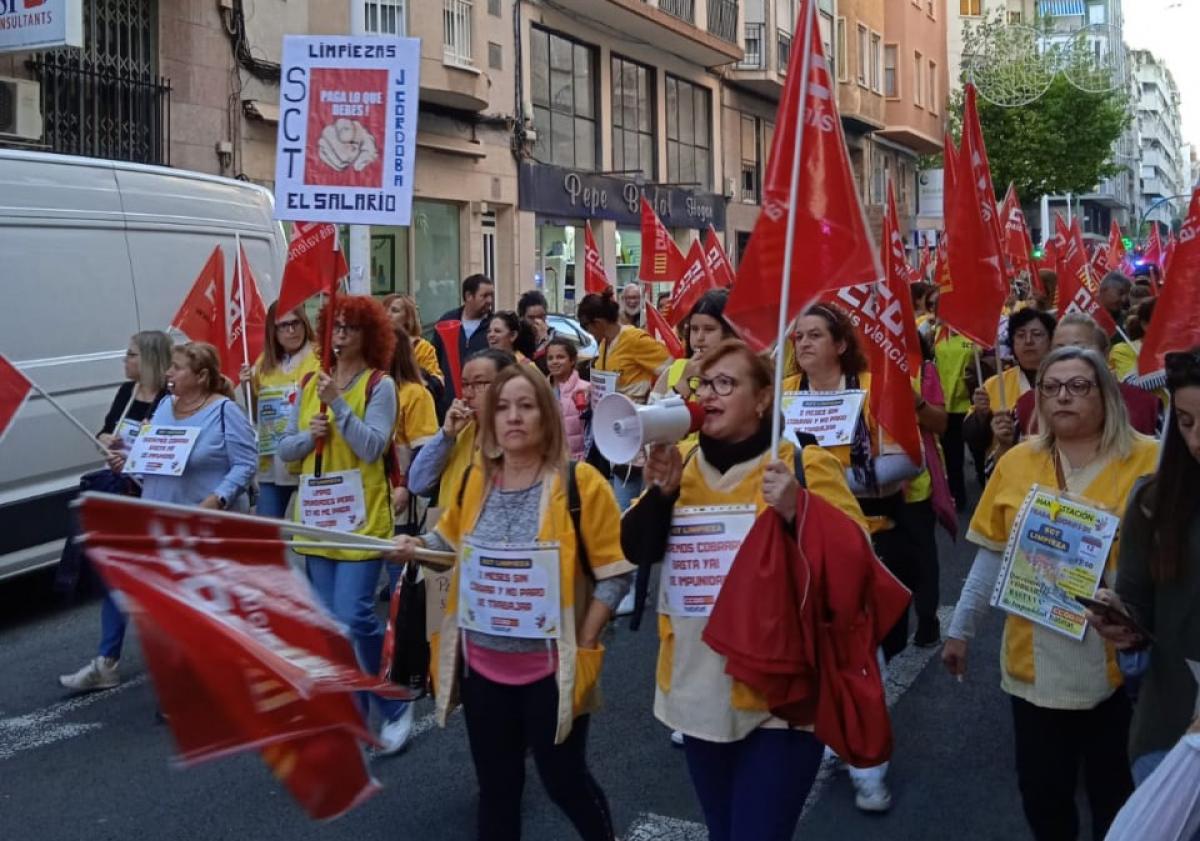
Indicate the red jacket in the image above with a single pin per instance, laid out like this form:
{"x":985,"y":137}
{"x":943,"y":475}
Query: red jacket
{"x":800,"y":623}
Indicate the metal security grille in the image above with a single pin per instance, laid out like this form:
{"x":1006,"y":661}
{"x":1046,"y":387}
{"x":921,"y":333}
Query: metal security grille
{"x":105,"y":100}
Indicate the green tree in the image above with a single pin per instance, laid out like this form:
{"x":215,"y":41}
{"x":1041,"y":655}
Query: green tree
{"x":1061,"y":142}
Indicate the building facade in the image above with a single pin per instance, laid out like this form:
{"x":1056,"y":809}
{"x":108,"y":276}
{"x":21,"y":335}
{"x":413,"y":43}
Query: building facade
{"x":1165,"y":171}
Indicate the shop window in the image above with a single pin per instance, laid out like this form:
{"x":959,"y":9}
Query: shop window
{"x":437,"y":273}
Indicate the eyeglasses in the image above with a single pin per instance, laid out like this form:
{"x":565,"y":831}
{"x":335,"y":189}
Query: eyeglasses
{"x":347,"y":328}
{"x":1078,"y":387}
{"x":721,"y":385}
{"x":290,"y":326}
{"x":478,"y":385}
{"x":1030,"y":336}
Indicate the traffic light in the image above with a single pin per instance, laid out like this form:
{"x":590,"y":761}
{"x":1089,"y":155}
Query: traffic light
{"x":1038,"y":252}
{"x":1127,"y":243}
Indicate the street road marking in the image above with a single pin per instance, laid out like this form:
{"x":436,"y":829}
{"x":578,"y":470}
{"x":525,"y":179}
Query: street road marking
{"x":41,"y":727}
{"x":651,"y":827}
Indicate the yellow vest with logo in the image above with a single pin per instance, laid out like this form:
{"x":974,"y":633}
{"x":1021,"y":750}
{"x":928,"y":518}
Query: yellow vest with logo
{"x":278,"y":378}
{"x":461,"y":455}
{"x":338,"y":457}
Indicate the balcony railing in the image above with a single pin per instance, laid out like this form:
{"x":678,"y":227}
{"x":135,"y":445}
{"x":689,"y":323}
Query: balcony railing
{"x":456,"y":32}
{"x":685,"y":10}
{"x":784,"y":50}
{"x":722,"y":19}
{"x":754,"y":47}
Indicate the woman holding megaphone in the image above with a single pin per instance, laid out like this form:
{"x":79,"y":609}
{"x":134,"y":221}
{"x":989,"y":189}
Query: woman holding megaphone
{"x":735,"y":745}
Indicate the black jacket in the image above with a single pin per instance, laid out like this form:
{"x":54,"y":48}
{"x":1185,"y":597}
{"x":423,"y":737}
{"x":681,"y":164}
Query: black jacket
{"x":477,"y":342}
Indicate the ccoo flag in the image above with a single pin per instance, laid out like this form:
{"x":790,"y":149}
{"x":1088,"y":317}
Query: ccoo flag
{"x":1176,"y":322}
{"x":718,"y":260}
{"x":696,"y":280}
{"x":832,"y":245}
{"x":312,"y":258}
{"x":250,"y":317}
{"x":662,"y":261}
{"x":594,"y":278}
{"x":200,"y":316}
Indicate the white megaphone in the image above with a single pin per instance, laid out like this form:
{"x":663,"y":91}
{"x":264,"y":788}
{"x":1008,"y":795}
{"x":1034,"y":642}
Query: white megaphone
{"x":621,"y":427}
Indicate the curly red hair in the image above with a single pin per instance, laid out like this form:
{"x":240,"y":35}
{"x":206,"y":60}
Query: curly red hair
{"x":378,"y":338}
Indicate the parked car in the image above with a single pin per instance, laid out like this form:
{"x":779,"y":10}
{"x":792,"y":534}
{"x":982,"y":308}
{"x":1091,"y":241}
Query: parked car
{"x":571,"y":330}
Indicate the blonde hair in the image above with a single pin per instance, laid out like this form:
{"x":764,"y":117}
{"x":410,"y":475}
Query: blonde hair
{"x":410,"y":318}
{"x":1082,"y":319}
{"x":1116,"y":435}
{"x":554,"y":438}
{"x":204,"y":362}
{"x":154,"y":358}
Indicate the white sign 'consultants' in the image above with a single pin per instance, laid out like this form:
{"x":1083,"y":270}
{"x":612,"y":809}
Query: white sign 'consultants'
{"x":347,"y":129}
{"x":40,"y":24}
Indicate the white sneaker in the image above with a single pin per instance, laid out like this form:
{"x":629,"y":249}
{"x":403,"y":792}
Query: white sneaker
{"x":394,"y":735}
{"x":677,"y":738}
{"x":871,"y":794}
{"x":626,"y":606}
{"x":100,"y":673}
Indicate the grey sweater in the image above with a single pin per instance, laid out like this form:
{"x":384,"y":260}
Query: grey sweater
{"x":367,"y":436}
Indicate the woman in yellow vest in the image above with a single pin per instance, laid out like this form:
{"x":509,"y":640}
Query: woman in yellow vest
{"x":705,"y":328}
{"x":529,"y":597}
{"x":353,"y":410}
{"x":416,"y":421}
{"x":751,"y":771}
{"x":288,"y":356}
{"x":628,"y":361}
{"x":405,"y":316}
{"x":1069,"y":710}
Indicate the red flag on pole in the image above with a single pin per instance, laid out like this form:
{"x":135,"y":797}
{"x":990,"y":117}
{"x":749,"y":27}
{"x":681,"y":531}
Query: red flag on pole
{"x":249,"y":320}
{"x":658,"y":327}
{"x":662,"y":261}
{"x":1153,"y":252}
{"x":1099,"y":262}
{"x":832,"y":246}
{"x":1116,"y":247}
{"x":941,"y":269}
{"x":718,"y":260}
{"x":1168,"y":257}
{"x":973,"y":229}
{"x":1176,"y":322}
{"x":241,"y":655}
{"x":696,"y":280}
{"x":312,"y":259}
{"x":14,"y":391}
{"x":926,"y":262}
{"x":896,"y":280}
{"x":1077,"y":291}
{"x":200,"y":317}
{"x":594,"y":278}
{"x":1018,"y":249}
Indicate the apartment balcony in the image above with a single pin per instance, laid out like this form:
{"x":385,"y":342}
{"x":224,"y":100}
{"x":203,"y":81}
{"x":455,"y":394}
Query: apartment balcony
{"x":696,"y":30}
{"x":451,"y":44}
{"x":765,"y":65}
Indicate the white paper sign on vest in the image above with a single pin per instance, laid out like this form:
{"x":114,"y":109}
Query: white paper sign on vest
{"x":830,"y":416}
{"x":604,"y":383}
{"x":701,"y":546}
{"x":333,"y":500}
{"x":510,"y":590}
{"x":161,"y":450}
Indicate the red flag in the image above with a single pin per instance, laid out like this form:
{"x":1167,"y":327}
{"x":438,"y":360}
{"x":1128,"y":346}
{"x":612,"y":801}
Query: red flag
{"x":1116,"y":247}
{"x":1077,"y":291}
{"x":832,"y":246}
{"x":926,"y":262}
{"x":941,"y":269}
{"x":1098,"y":264}
{"x":252,"y":318}
{"x":897,"y":277}
{"x":241,"y":655}
{"x":14,"y":391}
{"x":1167,"y":258}
{"x":1018,"y":246}
{"x":594,"y":278}
{"x":1153,"y":252}
{"x":658,"y":327}
{"x":696,"y":280}
{"x":662,"y":262}
{"x":973,"y":229}
{"x":199,"y":317}
{"x":718,"y":260}
{"x":312,"y":259}
{"x":450,"y":332}
{"x":1176,"y":322}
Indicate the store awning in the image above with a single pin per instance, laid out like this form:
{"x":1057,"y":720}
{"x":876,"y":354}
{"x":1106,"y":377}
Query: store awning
{"x":1062,"y":8}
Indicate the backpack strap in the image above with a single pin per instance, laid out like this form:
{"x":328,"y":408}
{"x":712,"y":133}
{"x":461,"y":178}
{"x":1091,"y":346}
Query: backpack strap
{"x":391,"y":460}
{"x":462,"y":486}
{"x":575,"y":507}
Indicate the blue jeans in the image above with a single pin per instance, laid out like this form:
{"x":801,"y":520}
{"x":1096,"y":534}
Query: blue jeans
{"x":112,"y":628}
{"x":273,"y":499}
{"x":743,"y":790}
{"x":347,"y":590}
{"x":625,"y":490}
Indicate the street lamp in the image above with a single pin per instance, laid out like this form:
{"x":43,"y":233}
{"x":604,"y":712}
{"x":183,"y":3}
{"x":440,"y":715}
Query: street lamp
{"x":1153,"y":205}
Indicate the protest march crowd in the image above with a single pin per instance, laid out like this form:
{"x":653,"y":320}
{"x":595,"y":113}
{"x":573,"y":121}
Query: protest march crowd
{"x":781,"y":571}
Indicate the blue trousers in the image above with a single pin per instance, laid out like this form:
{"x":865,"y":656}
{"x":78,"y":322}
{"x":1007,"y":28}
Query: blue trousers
{"x":347,"y":590}
{"x":112,"y":628}
{"x":754,"y":789}
{"x":273,"y":499}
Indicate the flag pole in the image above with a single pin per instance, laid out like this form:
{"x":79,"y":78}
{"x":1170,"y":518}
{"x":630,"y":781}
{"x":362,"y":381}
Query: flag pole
{"x":241,"y":283}
{"x":789,"y":246}
{"x":74,"y":420}
{"x":1000,"y":380}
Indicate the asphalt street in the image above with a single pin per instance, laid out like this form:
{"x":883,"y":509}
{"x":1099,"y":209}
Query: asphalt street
{"x":99,"y":767}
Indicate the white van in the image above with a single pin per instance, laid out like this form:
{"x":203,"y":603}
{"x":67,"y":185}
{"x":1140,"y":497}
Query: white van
{"x":91,"y":252}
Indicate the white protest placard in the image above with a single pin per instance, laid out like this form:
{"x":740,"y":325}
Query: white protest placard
{"x":604,"y":383}
{"x":701,"y":546}
{"x":161,"y":450}
{"x":333,"y":500}
{"x":347,"y":140}
{"x":275,"y":404}
{"x":27,"y":25}
{"x":829,"y":416}
{"x":510,"y":590}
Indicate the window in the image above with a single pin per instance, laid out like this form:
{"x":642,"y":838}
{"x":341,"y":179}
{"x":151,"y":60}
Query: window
{"x":862,"y":55}
{"x":437,"y":274}
{"x":456,"y":32}
{"x":842,"y":53}
{"x":876,"y":62}
{"x":689,"y":140}
{"x":633,"y":148}
{"x":384,"y":17}
{"x":878,"y":175}
{"x":751,"y":158}
{"x":970,"y":8}
{"x":563,"y":83}
{"x":891,"y":86}
{"x":933,"y":87}
{"x":1014,"y":17}
{"x":918,"y":88}
{"x":826,"y":23}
